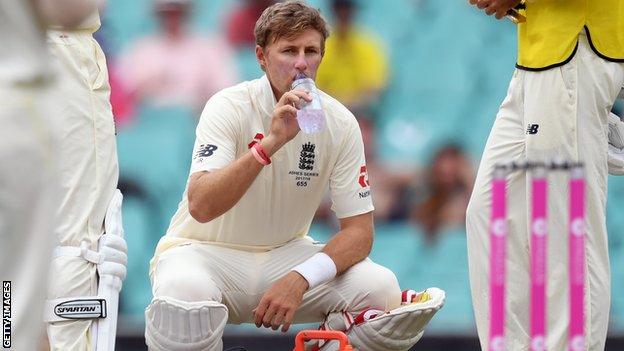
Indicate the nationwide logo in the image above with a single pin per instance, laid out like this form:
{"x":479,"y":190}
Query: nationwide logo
{"x":306,"y":160}
{"x":363,"y":178}
{"x":81,"y":309}
{"x":364,"y":183}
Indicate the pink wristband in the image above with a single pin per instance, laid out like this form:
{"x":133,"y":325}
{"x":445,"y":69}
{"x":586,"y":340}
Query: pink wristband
{"x":258,"y":157}
{"x":261,"y":152}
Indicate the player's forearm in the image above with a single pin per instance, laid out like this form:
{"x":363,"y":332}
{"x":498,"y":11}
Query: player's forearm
{"x":211,"y":194}
{"x":67,"y":13}
{"x":352,"y":243}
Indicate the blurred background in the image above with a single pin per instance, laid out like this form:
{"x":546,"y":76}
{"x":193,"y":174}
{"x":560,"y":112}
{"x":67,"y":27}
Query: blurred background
{"x":424,"y":78}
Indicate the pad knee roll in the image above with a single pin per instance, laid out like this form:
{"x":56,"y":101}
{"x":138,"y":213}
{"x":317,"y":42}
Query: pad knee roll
{"x":177,"y":325}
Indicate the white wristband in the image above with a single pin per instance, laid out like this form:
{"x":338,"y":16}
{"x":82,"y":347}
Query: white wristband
{"x":317,"y":269}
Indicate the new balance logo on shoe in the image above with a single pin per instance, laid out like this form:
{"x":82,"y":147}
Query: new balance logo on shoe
{"x":532,"y":128}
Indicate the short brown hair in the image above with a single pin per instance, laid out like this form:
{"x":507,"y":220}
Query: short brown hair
{"x":287,"y":20}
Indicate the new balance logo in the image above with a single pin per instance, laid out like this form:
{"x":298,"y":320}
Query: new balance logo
{"x":205,"y":150}
{"x":532,"y":128}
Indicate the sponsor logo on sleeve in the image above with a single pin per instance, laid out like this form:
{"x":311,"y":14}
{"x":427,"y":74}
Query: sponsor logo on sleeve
{"x":364,"y":182}
{"x":363,"y":178}
{"x":205,"y":150}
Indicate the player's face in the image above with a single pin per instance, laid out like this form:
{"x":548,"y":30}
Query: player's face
{"x":285,"y":58}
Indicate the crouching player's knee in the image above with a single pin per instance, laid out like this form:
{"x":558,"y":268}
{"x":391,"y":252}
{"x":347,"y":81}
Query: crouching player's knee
{"x":187,"y":286}
{"x":384,"y":289}
{"x":378,"y":285}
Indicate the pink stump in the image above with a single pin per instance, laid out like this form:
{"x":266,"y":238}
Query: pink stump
{"x":538,"y":259}
{"x":576,"y":341}
{"x":498,"y":242}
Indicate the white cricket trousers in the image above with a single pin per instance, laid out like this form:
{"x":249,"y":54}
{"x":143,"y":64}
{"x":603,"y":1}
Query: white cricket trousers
{"x":28,"y":197}
{"x":238,"y":279}
{"x":88,"y":170}
{"x":557,"y":113}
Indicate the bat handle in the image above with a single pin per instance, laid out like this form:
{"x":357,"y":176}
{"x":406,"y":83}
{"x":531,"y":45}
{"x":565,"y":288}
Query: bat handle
{"x":515,"y":16}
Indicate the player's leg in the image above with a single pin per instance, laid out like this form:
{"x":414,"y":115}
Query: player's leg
{"x":599,"y":83}
{"x":88,"y":171}
{"x":382,"y":292}
{"x":71,"y":277}
{"x":186,"y":290}
{"x":505,"y":143}
{"x":550,"y":103}
{"x":571,"y":105}
{"x":28,"y":198}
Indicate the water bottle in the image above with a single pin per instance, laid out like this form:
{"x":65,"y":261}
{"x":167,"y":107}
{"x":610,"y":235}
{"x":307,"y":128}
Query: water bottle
{"x":310,"y":116}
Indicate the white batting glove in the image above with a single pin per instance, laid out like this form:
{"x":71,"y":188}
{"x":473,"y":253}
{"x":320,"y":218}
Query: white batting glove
{"x":616,"y":145}
{"x":114,"y":250}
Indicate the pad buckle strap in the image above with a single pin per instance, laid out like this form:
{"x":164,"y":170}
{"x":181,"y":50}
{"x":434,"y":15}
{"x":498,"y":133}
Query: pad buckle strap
{"x":79,"y":251}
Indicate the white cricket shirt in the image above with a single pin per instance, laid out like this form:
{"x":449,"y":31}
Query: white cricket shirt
{"x":282,"y":200}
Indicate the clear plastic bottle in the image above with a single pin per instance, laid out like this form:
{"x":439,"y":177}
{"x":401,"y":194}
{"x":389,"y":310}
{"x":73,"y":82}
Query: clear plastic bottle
{"x":310,"y":117}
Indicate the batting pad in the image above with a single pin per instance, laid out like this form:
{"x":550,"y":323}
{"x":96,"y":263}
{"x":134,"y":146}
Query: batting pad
{"x":177,"y":325}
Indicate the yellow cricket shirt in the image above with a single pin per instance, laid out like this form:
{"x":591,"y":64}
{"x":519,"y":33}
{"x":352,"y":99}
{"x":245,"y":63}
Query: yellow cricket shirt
{"x":549,"y":36}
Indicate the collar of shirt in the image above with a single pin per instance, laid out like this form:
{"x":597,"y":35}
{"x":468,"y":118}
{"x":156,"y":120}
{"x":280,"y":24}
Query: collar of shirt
{"x":266,"y":98}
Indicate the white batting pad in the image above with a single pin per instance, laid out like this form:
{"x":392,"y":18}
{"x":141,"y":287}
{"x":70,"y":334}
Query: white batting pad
{"x":172,"y":324}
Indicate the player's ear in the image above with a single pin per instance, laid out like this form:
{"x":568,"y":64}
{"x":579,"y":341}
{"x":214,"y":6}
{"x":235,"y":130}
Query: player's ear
{"x":260,"y":57}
